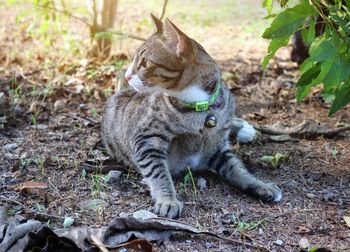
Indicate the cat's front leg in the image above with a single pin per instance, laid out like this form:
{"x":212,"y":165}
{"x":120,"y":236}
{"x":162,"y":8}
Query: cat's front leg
{"x":151,"y":159}
{"x":232,"y":169}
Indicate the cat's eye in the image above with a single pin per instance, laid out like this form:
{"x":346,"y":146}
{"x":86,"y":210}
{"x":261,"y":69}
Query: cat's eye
{"x":143,"y":62}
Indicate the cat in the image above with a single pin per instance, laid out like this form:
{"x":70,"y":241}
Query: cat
{"x":178,"y":115}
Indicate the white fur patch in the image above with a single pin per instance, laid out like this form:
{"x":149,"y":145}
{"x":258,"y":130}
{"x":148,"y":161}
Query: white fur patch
{"x":190,"y":94}
{"x":246,"y":133}
{"x":278,"y":197}
{"x":195,"y":160}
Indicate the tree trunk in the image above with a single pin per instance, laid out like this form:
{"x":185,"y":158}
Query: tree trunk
{"x":103,"y":16}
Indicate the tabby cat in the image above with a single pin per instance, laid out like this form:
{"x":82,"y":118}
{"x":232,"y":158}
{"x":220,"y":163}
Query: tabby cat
{"x":179,"y":115}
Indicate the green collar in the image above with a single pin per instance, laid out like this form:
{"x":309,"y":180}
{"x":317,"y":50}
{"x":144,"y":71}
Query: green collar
{"x":204,"y":105}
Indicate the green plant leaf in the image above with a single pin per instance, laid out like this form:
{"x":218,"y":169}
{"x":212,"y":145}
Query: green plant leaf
{"x":309,"y":32}
{"x":342,"y":98}
{"x":267,"y":4}
{"x":339,"y":72}
{"x":289,"y":21}
{"x":304,"y":84}
{"x":323,"y":48}
{"x":274,"y":45}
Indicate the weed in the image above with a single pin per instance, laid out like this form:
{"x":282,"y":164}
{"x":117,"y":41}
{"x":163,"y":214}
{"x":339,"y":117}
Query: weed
{"x":274,"y":160}
{"x":243,"y":227}
{"x":334,"y":153}
{"x":188,"y":178}
{"x":94,"y":113}
{"x":11,"y":211}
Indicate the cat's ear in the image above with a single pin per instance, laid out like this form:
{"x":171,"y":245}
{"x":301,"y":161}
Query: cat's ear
{"x":177,"y":40}
{"x":158,"y":24}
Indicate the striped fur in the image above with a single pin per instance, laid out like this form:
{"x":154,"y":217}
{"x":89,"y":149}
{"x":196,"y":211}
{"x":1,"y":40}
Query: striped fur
{"x":151,"y":130}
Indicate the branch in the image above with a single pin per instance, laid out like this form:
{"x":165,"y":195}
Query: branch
{"x":64,"y":12}
{"x":306,"y":129}
{"x":163,"y":10}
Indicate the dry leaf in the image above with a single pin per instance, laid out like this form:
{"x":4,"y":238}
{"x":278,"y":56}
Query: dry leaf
{"x":347,"y":220}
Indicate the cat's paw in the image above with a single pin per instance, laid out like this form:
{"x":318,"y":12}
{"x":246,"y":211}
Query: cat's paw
{"x":246,"y":133}
{"x":170,"y":208}
{"x":266,"y":192}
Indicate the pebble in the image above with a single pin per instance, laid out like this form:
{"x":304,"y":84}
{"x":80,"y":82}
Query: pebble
{"x":59,"y":105}
{"x":144,"y":214}
{"x":123,"y":215}
{"x":201,"y":183}
{"x":112,"y":177}
{"x":304,"y":243}
{"x":310,"y":195}
{"x":208,"y":245}
{"x":11,"y":147}
{"x":18,"y":110}
{"x":278,"y":242}
{"x":39,"y":126}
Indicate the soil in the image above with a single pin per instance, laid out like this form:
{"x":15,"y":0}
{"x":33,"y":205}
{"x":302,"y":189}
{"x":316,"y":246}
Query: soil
{"x":56,"y":129}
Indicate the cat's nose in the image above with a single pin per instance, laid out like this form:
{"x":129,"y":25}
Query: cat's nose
{"x":128,"y":77}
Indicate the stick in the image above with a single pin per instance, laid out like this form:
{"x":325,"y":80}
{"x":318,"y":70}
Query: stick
{"x":307,"y":128}
{"x":163,"y":10}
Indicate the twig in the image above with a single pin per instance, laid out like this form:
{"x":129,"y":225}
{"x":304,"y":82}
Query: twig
{"x":163,"y":10}
{"x":55,"y":188}
{"x":306,"y":129}
{"x":127,"y":35}
{"x":65,"y":13}
{"x":98,"y":243}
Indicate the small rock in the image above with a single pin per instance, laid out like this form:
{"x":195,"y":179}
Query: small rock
{"x":202,"y":183}
{"x":208,"y":245}
{"x":144,"y":214}
{"x":278,"y":242}
{"x":39,"y":126}
{"x":261,"y":232}
{"x":310,"y":195}
{"x":10,"y":156}
{"x":18,"y":110}
{"x":112,"y":177}
{"x":59,"y":105}
{"x":123,"y":215}
{"x":83,"y":106}
{"x":11,"y":147}
{"x":304,"y":243}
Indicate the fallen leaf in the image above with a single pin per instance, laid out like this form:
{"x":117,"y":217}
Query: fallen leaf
{"x":347,"y":220}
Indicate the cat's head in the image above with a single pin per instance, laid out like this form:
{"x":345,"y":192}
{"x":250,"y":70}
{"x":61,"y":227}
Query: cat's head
{"x":171,"y":62}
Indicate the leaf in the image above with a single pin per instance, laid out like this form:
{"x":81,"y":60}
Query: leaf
{"x":267,"y":4}
{"x":342,"y":98}
{"x":309,"y":33}
{"x":274,"y":45}
{"x":323,"y":48}
{"x":68,"y":221}
{"x":339,"y":72}
{"x":347,"y":220}
{"x":304,"y":83}
{"x":289,"y":21}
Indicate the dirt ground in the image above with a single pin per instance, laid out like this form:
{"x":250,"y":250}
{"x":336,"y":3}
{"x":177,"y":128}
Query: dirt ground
{"x":54,"y":129}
